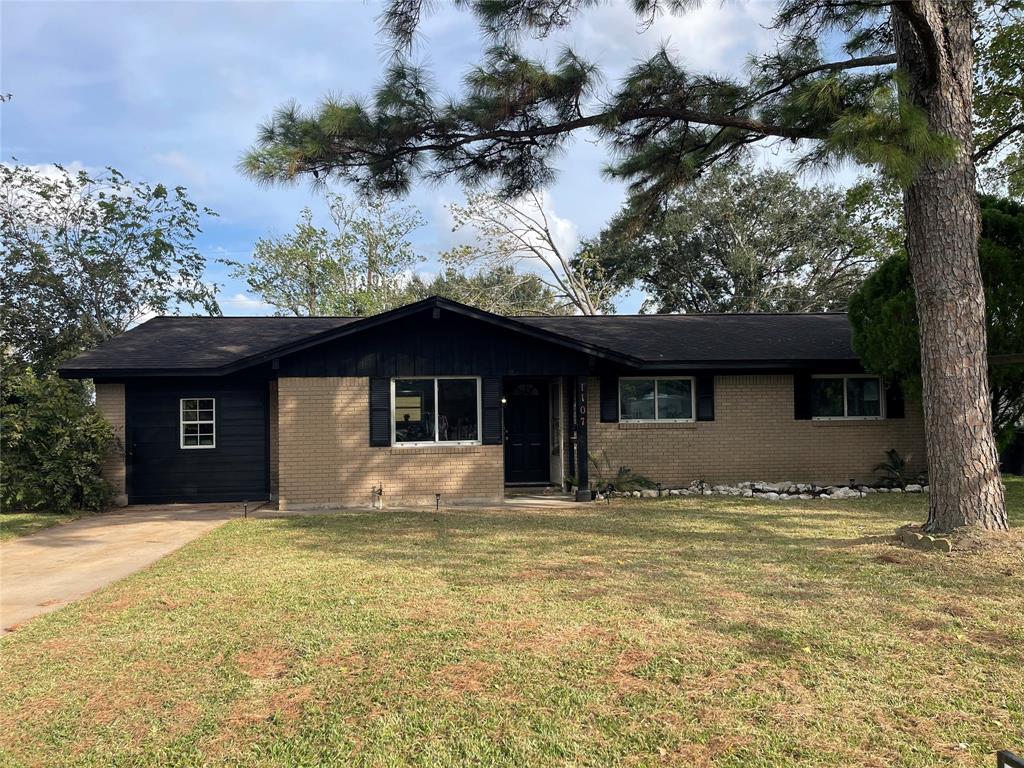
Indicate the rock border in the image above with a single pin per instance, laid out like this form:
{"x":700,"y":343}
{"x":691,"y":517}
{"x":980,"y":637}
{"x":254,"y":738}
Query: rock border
{"x":760,"y":489}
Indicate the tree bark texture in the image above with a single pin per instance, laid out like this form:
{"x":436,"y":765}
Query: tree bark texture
{"x":935,"y":51}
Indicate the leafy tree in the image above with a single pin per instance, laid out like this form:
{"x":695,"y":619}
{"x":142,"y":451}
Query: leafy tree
{"x":999,"y":93}
{"x":886,"y":328}
{"x":358,"y":267}
{"x":306,"y":272}
{"x":376,"y":232}
{"x":85,"y":256}
{"x":518,"y":234}
{"x":887,"y":84}
{"x":499,"y":289}
{"x":747,"y":240}
{"x":54,"y":443}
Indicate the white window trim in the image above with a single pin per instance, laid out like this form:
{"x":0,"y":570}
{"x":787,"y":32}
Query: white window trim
{"x":182,"y":423}
{"x":656,"y":379}
{"x":846,"y":404}
{"x":435,"y":442}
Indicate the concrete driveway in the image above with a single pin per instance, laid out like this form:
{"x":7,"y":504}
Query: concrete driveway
{"x":45,"y":570}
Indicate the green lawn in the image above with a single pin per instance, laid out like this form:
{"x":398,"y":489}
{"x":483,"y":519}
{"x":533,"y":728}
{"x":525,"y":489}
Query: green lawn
{"x":681,"y":631}
{"x":15,"y":524}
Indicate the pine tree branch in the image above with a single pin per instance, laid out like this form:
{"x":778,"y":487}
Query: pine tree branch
{"x":880,"y":60}
{"x":982,"y":152}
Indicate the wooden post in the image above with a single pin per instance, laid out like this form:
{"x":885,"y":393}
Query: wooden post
{"x":582,"y":454}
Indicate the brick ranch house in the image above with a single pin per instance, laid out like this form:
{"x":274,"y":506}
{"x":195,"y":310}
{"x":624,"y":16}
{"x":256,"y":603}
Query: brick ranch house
{"x":438,"y":397}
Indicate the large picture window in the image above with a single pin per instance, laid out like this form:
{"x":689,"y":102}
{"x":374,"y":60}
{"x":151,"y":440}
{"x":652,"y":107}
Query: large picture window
{"x":846,"y":397}
{"x":198,"y":422}
{"x":656,"y":399}
{"x":435,"y":410}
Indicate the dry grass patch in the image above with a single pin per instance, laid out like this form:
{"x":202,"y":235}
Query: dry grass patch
{"x":683,"y":632}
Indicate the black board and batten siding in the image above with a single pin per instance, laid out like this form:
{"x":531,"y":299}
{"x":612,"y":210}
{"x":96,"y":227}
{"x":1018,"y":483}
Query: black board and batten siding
{"x":450,"y":345}
{"x":161,"y":471}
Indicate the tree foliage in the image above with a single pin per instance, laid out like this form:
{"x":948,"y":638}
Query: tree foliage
{"x":747,"y":240}
{"x":663,"y":123}
{"x":885,"y":324}
{"x":53,"y":444}
{"x":999,"y":93}
{"x":84,"y":256}
{"x":498,"y":289}
{"x":360,"y":266}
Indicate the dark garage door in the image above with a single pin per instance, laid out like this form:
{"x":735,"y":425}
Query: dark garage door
{"x":160,"y":470}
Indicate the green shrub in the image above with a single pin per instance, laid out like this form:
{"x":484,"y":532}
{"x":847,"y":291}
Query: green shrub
{"x":53,"y":445}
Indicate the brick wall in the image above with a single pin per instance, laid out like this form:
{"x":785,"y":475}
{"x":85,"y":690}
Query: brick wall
{"x":325,"y":459}
{"x":755,"y":437}
{"x":110,"y":402}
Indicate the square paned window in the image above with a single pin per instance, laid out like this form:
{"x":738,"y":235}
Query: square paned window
{"x":656,"y":399}
{"x":198,"y":422}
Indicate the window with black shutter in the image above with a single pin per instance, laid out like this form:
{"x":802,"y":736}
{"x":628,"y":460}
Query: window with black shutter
{"x":657,"y":399}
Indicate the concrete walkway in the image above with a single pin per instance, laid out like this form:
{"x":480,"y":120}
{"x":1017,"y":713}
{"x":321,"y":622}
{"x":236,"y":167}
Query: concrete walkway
{"x":43,"y":571}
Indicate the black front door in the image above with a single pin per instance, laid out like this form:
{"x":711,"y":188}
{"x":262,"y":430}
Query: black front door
{"x":526,"y":431}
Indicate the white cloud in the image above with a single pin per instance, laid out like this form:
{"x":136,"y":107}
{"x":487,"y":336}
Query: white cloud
{"x":193,"y":174}
{"x":244,"y":304}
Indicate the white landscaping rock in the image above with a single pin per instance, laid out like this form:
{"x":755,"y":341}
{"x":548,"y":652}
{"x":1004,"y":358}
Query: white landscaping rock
{"x":913,"y":488}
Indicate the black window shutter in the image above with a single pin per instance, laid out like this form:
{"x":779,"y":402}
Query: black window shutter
{"x":802,"y":396}
{"x":705,"y":397}
{"x":491,"y":431}
{"x":609,"y":398}
{"x":380,"y":411}
{"x":894,"y":408}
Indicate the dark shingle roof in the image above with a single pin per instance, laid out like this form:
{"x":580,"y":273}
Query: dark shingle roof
{"x":199,"y":343}
{"x":711,"y":338}
{"x":217,"y":344}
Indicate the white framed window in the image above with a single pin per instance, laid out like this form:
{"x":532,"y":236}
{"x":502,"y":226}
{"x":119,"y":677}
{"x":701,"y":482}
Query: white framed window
{"x":435,"y":410}
{"x":667,"y":398}
{"x":198,"y":420}
{"x":851,"y":396}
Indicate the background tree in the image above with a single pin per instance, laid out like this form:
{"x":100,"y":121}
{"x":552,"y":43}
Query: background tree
{"x":888,"y":84}
{"x":746,"y":240}
{"x":375,"y":231}
{"x":518,"y":234}
{"x":498,"y":289}
{"x":360,"y":266}
{"x":885,"y":325}
{"x":999,"y":94}
{"x":308,"y":271}
{"x":86,"y":256}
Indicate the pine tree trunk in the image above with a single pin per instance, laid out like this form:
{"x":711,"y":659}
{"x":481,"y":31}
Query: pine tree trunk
{"x":936,"y":52}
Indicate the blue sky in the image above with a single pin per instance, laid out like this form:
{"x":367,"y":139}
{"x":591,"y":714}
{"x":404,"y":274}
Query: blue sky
{"x":174,"y":92}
